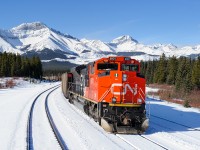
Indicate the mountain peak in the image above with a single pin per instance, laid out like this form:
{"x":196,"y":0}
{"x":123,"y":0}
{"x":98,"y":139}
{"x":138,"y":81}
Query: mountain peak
{"x":30,"y":26}
{"x":123,"y":39}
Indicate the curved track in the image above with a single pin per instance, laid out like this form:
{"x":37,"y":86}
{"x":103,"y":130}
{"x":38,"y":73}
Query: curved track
{"x":30,"y":145}
{"x":53,"y":126}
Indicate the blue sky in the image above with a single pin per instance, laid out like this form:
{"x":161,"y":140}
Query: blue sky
{"x":148,"y":21}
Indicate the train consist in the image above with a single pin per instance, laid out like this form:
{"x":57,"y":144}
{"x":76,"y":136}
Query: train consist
{"x":110,"y":90}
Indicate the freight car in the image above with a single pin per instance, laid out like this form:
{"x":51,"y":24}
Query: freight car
{"x":110,"y":90}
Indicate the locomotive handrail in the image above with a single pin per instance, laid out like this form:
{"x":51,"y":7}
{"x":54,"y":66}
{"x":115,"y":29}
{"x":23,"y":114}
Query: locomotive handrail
{"x":77,"y":88}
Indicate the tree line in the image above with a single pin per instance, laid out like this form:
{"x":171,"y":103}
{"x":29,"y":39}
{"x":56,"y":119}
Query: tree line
{"x":14,"y":65}
{"x":183,"y":72}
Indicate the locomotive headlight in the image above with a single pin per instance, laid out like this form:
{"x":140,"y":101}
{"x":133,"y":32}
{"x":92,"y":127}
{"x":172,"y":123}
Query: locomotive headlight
{"x":124,"y":77}
{"x":114,"y":100}
{"x":139,"y":100}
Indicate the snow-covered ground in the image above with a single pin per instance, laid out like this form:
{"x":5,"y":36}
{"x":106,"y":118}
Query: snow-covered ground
{"x":14,"y":109}
{"x":171,"y":125}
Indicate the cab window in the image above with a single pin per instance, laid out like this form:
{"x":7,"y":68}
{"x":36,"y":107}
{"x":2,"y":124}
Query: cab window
{"x":107,"y":66}
{"x":130,"y":67}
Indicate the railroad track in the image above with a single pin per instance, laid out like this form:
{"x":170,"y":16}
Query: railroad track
{"x":153,"y":142}
{"x":131,"y":144}
{"x":96,"y":128}
{"x":53,"y":126}
{"x":126,"y":141}
{"x":30,"y":145}
{"x":143,"y":137}
{"x":190,"y":138}
{"x":195,"y":129}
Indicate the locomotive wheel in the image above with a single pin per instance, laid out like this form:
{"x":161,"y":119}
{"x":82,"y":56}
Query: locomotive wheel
{"x":86,"y":109}
{"x":71,"y":99}
{"x":99,"y":120}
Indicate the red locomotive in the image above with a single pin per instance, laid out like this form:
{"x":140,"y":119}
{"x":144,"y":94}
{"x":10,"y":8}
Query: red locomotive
{"x":112,"y":91}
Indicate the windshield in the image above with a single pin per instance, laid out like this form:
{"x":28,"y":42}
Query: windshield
{"x":130,"y":67}
{"x":107,"y":66}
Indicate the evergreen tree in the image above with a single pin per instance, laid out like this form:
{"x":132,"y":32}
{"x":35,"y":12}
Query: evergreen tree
{"x":179,"y":75}
{"x":1,"y":65}
{"x":184,"y":75}
{"x":196,"y":73}
{"x":153,"y":70}
{"x":36,"y":67}
{"x":161,"y":71}
{"x":3,"y":70}
{"x":187,"y":78}
{"x":149,"y":74}
{"x":142,"y":67}
{"x":16,"y":65}
{"x":13,"y":66}
{"x":172,"y":70}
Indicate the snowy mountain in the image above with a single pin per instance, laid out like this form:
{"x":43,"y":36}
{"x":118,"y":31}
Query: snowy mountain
{"x":38,"y":39}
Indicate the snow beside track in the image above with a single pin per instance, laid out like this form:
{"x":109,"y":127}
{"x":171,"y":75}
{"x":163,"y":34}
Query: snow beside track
{"x":14,"y":110}
{"x":78,"y":130}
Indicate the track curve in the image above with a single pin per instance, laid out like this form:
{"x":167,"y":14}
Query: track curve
{"x":53,"y":126}
{"x":29,"y":138}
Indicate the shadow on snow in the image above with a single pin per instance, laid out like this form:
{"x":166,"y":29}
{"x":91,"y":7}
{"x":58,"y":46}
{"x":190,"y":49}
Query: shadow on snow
{"x":164,"y":117}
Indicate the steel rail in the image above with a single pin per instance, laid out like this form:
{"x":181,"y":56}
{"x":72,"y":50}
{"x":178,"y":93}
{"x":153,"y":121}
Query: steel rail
{"x":53,"y":126}
{"x":29,"y":138}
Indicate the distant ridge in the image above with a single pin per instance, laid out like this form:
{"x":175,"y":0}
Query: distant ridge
{"x":37,"y":38}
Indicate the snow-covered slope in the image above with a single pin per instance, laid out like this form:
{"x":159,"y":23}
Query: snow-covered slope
{"x":50,"y":44}
{"x":5,"y":45}
{"x":37,"y":36}
{"x":124,"y":43}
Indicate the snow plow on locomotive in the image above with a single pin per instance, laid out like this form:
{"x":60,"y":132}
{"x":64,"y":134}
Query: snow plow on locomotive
{"x":110,"y":90}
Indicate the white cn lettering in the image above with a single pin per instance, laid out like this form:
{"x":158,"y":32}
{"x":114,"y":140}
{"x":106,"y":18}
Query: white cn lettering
{"x":126,"y":87}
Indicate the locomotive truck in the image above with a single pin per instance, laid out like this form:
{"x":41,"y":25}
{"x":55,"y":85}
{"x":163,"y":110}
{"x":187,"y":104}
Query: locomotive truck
{"x":110,"y":90}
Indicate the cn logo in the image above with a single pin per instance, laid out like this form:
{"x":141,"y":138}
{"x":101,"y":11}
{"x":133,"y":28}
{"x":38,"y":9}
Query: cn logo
{"x":126,"y":87}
